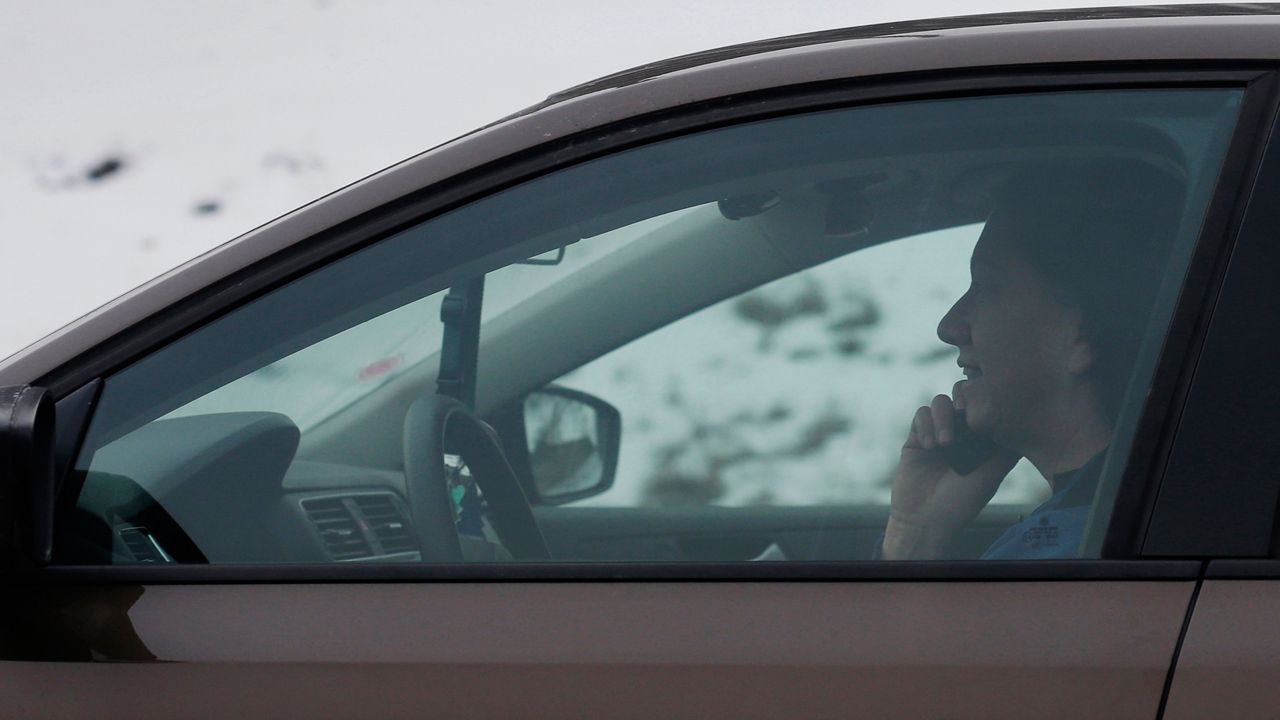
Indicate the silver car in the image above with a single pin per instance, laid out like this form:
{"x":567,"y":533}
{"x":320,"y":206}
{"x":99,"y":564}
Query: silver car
{"x":915,"y":370}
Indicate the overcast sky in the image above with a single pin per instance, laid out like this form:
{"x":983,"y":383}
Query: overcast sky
{"x":140,"y":134}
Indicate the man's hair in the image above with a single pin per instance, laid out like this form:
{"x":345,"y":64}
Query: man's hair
{"x":1100,"y":233}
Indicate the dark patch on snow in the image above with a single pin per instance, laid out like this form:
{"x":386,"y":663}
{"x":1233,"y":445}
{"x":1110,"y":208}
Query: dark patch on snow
{"x":716,"y":447}
{"x":777,"y":413}
{"x":105,"y":168}
{"x":672,"y":489}
{"x":760,"y":309}
{"x":804,"y":354}
{"x":770,"y":310}
{"x":865,"y":314}
{"x":849,"y":347}
{"x":673,"y":397}
{"x":57,"y":173}
{"x":207,"y":207}
{"x":818,"y":433}
{"x":858,"y":313}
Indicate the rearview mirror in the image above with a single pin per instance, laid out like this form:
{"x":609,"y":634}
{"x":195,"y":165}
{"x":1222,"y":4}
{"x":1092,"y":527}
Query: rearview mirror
{"x":573,"y":440}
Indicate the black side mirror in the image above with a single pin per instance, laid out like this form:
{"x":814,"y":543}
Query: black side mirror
{"x":573,"y":439}
{"x":27,"y":486}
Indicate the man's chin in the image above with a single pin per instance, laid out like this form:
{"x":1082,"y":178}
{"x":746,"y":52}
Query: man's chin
{"x":979,"y":420}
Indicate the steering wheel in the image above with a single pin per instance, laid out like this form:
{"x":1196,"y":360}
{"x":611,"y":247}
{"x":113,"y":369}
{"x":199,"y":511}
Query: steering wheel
{"x":434,"y":425}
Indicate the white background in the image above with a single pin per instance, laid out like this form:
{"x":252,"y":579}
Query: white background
{"x":250,"y":109}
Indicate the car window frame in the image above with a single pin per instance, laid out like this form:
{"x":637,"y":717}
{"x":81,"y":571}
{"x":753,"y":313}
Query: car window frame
{"x":1158,"y":421}
{"x":1223,"y":414}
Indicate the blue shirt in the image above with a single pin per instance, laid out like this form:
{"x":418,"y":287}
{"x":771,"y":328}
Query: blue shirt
{"x":1056,"y":528}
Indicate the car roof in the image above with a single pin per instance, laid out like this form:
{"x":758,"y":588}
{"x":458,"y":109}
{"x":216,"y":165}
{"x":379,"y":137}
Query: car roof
{"x":901,"y":28}
{"x":1218,"y":32}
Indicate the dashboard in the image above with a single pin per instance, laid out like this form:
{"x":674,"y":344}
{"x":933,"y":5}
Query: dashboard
{"x":225,"y":488}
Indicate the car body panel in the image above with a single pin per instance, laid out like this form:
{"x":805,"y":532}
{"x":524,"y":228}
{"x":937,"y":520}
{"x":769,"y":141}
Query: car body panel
{"x":1229,"y":664}
{"x":753,"y":649}
{"x":1239,"y":38}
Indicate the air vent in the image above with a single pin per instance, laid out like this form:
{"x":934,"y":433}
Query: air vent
{"x":385,"y":519}
{"x":338,"y":528}
{"x":141,"y":545}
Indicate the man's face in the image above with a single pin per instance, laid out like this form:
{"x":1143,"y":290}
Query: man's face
{"x":1016,"y":345}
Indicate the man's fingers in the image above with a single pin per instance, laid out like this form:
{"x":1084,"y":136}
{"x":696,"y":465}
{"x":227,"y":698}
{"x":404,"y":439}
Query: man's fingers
{"x":943,"y":415}
{"x":922,"y":429}
{"x":957,"y":392}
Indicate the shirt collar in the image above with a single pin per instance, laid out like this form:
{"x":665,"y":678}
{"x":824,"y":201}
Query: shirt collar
{"x":1076,"y":487}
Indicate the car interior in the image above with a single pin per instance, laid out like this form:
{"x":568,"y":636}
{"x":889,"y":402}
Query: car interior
{"x":393,"y":473}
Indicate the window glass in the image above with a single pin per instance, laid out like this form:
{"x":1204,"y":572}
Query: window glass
{"x":787,"y":380}
{"x":753,"y":342}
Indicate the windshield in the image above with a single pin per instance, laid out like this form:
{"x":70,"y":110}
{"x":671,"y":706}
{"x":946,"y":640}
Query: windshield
{"x":318,"y":382}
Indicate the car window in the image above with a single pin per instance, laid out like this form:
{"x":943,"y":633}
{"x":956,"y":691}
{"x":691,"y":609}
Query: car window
{"x":678,"y":340}
{"x":789,"y":380}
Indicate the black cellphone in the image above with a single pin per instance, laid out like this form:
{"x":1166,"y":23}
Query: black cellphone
{"x":968,"y":449}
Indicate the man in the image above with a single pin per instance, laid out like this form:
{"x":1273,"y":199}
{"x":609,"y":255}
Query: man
{"x":1064,"y":277}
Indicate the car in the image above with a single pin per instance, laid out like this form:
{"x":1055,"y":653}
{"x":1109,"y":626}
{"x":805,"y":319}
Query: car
{"x":600,"y":409}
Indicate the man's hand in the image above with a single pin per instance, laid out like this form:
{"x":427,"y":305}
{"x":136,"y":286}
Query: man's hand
{"x":930,"y":501}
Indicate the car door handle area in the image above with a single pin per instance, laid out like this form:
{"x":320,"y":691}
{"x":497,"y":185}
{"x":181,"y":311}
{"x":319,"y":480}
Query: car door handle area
{"x":1013,"y":649}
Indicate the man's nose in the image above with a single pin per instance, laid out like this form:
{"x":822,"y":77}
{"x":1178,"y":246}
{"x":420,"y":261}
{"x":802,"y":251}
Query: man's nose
{"x":953,"y":328}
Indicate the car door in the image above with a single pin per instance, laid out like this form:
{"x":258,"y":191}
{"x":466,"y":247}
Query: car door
{"x":198,"y":569}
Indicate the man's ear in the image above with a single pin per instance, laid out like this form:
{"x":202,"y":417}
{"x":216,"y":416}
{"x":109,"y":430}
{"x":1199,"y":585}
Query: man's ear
{"x":1080,"y":353}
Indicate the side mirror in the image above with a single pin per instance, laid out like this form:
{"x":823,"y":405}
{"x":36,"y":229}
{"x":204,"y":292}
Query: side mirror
{"x":27,"y":488}
{"x":573,"y":439}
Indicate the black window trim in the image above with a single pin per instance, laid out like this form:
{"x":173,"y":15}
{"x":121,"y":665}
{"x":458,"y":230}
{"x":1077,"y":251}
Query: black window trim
{"x":1252,"y":569}
{"x":1155,"y":431}
{"x":860,"y":571}
{"x":1171,"y":384}
{"x":1225,"y":416}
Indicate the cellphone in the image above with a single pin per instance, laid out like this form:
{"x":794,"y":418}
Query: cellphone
{"x":969,"y":449}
